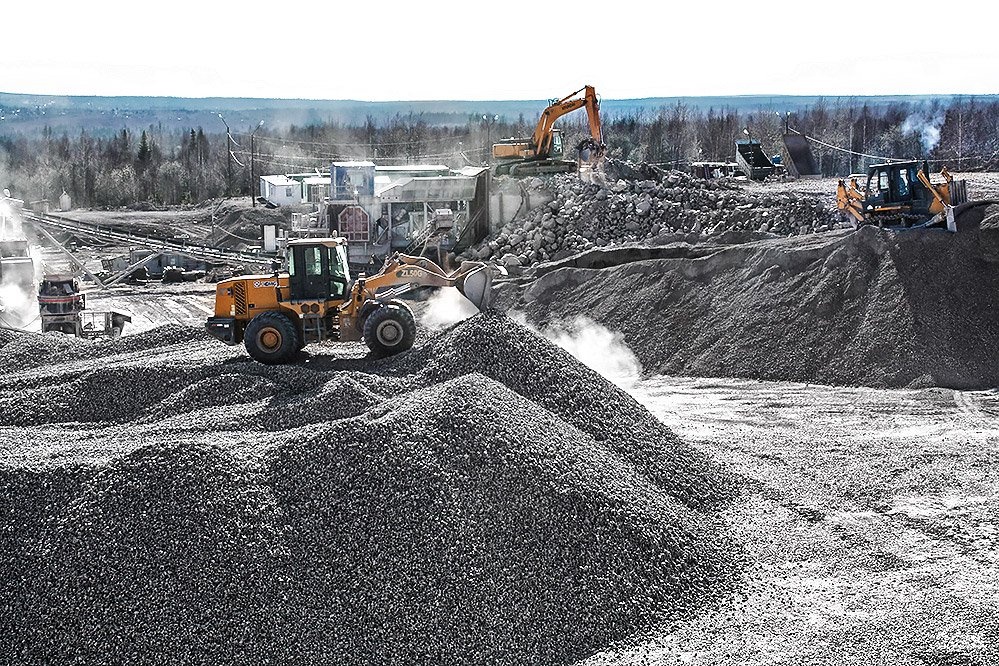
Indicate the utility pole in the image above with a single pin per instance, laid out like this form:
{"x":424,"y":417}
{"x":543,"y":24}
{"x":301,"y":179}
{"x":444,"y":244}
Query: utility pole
{"x":489,"y":122}
{"x":228,"y":154}
{"x":253,"y":196}
{"x":849,"y":156}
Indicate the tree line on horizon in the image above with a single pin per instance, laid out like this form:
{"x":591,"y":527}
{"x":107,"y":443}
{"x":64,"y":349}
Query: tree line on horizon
{"x":169,"y":167}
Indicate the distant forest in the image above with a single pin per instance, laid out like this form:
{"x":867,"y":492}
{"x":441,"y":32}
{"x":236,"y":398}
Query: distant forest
{"x":166,"y":166}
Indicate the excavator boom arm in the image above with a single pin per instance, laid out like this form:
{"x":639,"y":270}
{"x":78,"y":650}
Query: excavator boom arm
{"x":542,"y":137}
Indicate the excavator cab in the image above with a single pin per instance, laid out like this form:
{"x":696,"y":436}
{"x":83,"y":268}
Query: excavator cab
{"x":558,"y":150}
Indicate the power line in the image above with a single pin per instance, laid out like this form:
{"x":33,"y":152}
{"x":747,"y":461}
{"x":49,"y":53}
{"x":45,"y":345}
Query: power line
{"x":842,"y":150}
{"x":279,"y":160}
{"x":882,"y":157}
{"x":339,"y":143}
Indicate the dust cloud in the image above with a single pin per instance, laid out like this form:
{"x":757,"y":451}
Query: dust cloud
{"x":594,"y":345}
{"x":446,"y":307}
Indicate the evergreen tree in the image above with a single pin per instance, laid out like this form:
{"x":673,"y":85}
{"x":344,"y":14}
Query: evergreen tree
{"x":145,"y":154}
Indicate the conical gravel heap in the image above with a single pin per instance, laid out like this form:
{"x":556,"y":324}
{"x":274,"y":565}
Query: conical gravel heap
{"x":482,"y":499}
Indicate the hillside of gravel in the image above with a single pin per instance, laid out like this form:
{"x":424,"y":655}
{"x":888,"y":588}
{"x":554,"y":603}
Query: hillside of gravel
{"x":481,"y":499}
{"x":871,"y":307}
{"x":642,"y":203}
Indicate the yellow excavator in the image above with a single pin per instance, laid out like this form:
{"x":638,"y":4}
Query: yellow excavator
{"x":543,"y":151}
{"x":904,"y":195}
{"x":276,"y":315}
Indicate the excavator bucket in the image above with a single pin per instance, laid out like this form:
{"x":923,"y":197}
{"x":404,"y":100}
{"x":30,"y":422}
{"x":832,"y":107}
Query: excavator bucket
{"x":476,"y":286}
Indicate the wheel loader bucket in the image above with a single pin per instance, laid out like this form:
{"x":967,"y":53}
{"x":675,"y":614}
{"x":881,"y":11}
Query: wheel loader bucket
{"x":476,"y":286}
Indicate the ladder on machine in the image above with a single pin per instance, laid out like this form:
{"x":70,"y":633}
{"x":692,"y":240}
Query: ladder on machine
{"x":313,"y":329}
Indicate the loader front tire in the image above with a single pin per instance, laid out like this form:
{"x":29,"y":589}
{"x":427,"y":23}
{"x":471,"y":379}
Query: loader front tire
{"x":390,"y":329}
{"x":271,"y":338}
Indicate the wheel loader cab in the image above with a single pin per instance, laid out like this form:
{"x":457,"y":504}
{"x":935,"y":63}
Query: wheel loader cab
{"x":317,"y":271}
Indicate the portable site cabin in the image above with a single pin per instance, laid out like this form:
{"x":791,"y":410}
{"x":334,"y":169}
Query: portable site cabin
{"x":281,"y":190}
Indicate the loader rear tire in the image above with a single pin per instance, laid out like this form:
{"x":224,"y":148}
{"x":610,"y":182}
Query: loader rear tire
{"x":271,"y":338}
{"x":390,"y":329}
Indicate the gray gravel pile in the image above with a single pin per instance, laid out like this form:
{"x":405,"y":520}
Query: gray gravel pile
{"x":482,"y":499}
{"x":504,"y":534}
{"x":26,"y":351}
{"x":643,"y":203}
{"x":172,"y":553}
{"x":872,"y":307}
{"x":112,"y":394}
{"x":493,"y":345}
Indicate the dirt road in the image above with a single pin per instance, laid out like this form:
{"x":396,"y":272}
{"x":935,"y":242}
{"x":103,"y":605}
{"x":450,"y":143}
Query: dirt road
{"x":189,"y":304}
{"x":872,"y":518}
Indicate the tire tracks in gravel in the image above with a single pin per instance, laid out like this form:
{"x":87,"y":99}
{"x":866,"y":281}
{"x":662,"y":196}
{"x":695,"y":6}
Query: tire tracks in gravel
{"x":968,"y":405}
{"x":835,"y":566}
{"x":783,"y":474}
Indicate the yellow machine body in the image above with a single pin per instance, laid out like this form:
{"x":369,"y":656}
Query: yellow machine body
{"x":902,"y":194}
{"x":317,"y":300}
{"x":542,"y":151}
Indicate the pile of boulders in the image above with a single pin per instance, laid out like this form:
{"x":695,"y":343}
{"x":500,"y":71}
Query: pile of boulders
{"x":645,"y":204}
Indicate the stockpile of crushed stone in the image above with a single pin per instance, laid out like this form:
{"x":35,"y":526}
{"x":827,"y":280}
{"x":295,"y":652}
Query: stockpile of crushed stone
{"x":25,"y":351}
{"x":481,"y":499}
{"x":643,"y":203}
{"x":871,"y":307}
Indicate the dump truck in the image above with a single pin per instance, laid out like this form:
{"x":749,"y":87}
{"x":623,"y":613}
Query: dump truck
{"x":752,"y":160}
{"x":275,"y":316}
{"x":904,"y":195}
{"x":543,"y":151}
{"x":62,"y":308}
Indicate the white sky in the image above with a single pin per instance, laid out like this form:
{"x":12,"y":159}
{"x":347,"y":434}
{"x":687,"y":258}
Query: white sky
{"x":496,"y":49}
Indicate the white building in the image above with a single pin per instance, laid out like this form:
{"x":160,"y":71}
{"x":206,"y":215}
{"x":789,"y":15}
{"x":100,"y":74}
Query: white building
{"x":281,"y":190}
